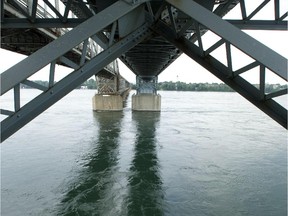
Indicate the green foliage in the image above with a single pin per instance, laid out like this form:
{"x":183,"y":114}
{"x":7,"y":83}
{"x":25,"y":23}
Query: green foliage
{"x":88,"y":84}
{"x":176,"y":86}
{"x":40,"y":82}
{"x":181,"y":86}
{"x":91,"y":84}
{"x":217,"y":87}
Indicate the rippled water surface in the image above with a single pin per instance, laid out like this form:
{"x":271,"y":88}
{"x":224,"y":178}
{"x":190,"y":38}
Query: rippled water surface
{"x":204,"y":154}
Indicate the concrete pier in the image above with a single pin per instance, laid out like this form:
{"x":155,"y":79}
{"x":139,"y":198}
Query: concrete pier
{"x":107,"y":102}
{"x":146,"y":102}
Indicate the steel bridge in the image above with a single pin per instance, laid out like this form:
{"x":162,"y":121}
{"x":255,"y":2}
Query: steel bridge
{"x":89,"y":35}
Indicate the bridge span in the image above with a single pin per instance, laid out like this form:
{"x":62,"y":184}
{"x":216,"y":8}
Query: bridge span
{"x":88,"y":36}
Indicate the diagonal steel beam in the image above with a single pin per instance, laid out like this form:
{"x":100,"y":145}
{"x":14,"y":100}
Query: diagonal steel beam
{"x":239,"y":84}
{"x":32,"y":109}
{"x":58,"y":47}
{"x":260,"y":7}
{"x":51,"y":6}
{"x":20,"y":8}
{"x":247,"y":44}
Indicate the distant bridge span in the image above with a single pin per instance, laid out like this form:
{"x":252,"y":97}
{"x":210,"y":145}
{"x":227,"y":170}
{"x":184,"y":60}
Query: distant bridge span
{"x":146,"y":35}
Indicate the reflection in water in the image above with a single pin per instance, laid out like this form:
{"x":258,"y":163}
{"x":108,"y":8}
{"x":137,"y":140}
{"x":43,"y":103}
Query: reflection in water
{"x":145,"y":184}
{"x":96,"y":191}
{"x":93,"y":193}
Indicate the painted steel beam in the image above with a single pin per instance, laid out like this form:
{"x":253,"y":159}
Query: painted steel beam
{"x":239,"y":84}
{"x":260,"y":24}
{"x":73,"y":22}
{"x":40,"y":23}
{"x":250,"y":46}
{"x":59,"y":47}
{"x":42,"y":102}
{"x":2,"y":10}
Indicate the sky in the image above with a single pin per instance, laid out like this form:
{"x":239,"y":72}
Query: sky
{"x":185,"y":69}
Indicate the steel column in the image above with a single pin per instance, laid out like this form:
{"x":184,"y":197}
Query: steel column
{"x":147,"y":85}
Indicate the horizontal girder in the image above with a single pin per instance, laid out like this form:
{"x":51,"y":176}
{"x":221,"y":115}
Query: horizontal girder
{"x":233,"y":35}
{"x":123,"y":29}
{"x":59,"y":47}
{"x":83,"y":70}
{"x":29,"y":111}
{"x":154,"y":10}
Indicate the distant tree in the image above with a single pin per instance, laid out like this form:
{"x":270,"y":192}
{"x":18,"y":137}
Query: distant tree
{"x":91,"y":84}
{"x":177,"y":86}
{"x":181,"y":86}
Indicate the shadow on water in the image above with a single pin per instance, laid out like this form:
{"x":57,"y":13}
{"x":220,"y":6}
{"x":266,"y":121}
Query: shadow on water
{"x":145,"y":194}
{"x":92,"y":193}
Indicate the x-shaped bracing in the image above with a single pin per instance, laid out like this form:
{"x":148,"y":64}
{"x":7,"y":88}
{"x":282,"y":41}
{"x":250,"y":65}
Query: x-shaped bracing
{"x":189,"y":42}
{"x":20,"y":73}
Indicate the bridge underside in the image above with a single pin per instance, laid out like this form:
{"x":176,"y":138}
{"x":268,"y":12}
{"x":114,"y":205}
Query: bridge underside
{"x":147,"y":36}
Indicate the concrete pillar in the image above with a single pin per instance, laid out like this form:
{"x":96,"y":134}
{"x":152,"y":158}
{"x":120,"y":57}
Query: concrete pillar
{"x":146,"y":102}
{"x":107,"y":102}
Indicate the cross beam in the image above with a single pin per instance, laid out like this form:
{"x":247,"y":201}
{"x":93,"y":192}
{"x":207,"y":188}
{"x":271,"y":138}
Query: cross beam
{"x":35,"y":107}
{"x":230,"y":35}
{"x":55,"y":52}
{"x":250,"y":46}
{"x":59,"y":47}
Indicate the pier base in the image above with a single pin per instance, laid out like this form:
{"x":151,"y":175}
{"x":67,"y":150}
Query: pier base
{"x":146,"y":102}
{"x":107,"y":103}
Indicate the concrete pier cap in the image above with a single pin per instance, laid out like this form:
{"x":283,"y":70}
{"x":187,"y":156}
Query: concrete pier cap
{"x":146,"y":102}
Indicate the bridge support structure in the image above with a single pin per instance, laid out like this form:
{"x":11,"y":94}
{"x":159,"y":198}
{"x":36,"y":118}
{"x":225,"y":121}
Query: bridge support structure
{"x":107,"y":102}
{"x":147,"y":36}
{"x":112,"y":92}
{"x":82,"y":70}
{"x":146,"y":97}
{"x":146,"y":102}
{"x":263,"y":58}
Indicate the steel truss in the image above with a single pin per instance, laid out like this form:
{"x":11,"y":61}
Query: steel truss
{"x":34,"y":16}
{"x":107,"y":85}
{"x":115,"y":85}
{"x":181,"y":30}
{"x":264,"y":58}
{"x":11,"y":78}
{"x":27,"y":41}
{"x":146,"y":85}
{"x":247,"y":22}
{"x":30,"y":14}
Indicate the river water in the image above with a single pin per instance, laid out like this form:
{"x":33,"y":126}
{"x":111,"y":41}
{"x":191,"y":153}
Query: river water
{"x":205,"y":153}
